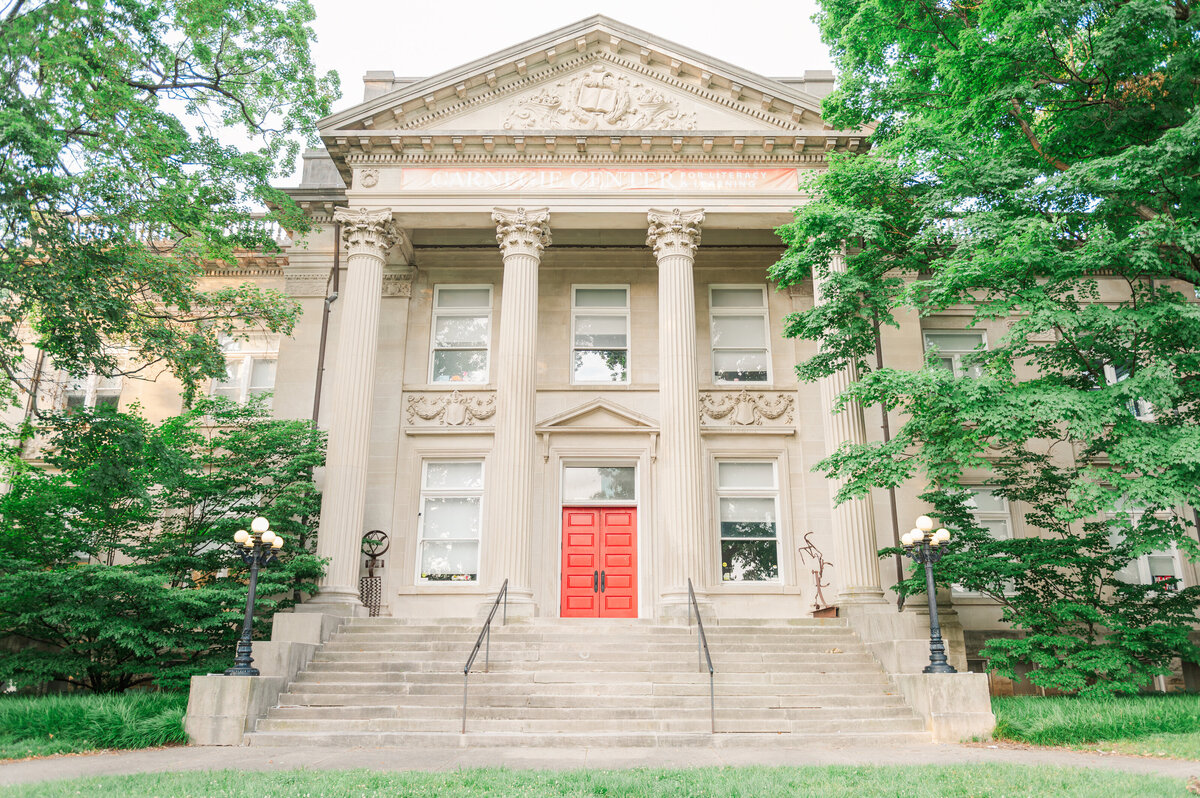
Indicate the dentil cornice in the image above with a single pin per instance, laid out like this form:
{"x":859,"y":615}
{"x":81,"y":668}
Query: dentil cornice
{"x":521,"y":231}
{"x":674,"y":232}
{"x":368,"y":232}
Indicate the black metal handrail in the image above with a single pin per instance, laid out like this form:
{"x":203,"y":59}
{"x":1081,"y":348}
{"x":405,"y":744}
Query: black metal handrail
{"x":485,"y":632}
{"x":702,"y":649}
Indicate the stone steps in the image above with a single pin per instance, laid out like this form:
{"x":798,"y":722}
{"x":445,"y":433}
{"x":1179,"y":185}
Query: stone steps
{"x":384,"y":681}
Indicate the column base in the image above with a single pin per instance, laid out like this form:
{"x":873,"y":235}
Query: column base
{"x":520,"y":605}
{"x":860,"y":596}
{"x":335,"y":601}
{"x":675,"y":605}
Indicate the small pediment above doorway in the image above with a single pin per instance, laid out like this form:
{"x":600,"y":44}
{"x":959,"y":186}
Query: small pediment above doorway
{"x":599,"y":416}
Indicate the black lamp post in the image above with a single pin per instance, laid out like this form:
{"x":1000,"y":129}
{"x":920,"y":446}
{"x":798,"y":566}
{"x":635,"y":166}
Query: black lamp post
{"x":257,"y":548}
{"x":925,"y":547}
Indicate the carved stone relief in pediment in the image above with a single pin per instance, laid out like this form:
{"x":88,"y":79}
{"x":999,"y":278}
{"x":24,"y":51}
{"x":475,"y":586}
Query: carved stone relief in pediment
{"x":598,"y":98}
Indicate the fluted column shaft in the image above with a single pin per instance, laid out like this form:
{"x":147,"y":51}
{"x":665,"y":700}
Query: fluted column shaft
{"x":674,"y":235}
{"x":522,"y":235}
{"x":368,"y":235}
{"x":855,"y":560}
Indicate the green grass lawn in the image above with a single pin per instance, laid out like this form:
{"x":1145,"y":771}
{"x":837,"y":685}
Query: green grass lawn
{"x":71,"y":723}
{"x":1149,"y":725}
{"x":976,"y":781}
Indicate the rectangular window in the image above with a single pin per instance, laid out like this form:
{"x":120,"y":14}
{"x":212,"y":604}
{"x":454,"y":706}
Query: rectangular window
{"x":590,"y":484}
{"x":1152,"y":567}
{"x":461,"y":334}
{"x":991,"y":512}
{"x":93,"y":391}
{"x":1140,"y":408}
{"x":953,"y":346}
{"x":748,"y":509}
{"x":600,"y":334}
{"x":249,"y":367}
{"x":740,"y":331}
{"x":451,"y":517}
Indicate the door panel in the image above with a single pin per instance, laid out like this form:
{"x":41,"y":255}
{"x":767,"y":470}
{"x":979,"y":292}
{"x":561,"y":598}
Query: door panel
{"x":581,"y":561}
{"x":599,"y":578}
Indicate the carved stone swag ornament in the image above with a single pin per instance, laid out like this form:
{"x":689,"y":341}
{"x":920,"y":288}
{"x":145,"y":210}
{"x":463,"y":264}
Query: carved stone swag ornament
{"x":747,"y":409}
{"x":453,"y":410}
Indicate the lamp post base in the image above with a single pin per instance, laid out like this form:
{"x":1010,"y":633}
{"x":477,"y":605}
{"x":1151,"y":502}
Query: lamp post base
{"x":241,"y":670}
{"x":938,"y":667}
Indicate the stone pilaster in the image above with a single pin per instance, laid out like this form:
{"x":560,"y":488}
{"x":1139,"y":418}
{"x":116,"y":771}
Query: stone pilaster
{"x":855,"y":562}
{"x":522,"y":235}
{"x":367,"y":236}
{"x":684,"y":538}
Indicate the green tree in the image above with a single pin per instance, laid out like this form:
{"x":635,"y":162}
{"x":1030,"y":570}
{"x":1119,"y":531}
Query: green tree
{"x":116,"y":560}
{"x":1035,"y":161}
{"x":118,"y":182}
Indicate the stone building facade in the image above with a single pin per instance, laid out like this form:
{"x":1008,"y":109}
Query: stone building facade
{"x":554,"y":357}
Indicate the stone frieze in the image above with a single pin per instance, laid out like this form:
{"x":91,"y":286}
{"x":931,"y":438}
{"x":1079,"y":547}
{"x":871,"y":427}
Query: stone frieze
{"x":598,"y":99}
{"x":746,"y":408}
{"x":454,"y":409}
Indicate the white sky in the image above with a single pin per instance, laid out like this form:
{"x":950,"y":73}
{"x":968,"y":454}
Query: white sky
{"x":776,"y":38}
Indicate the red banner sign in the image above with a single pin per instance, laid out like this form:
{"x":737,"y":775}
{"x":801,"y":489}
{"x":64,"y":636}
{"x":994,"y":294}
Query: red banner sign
{"x":568,"y":179}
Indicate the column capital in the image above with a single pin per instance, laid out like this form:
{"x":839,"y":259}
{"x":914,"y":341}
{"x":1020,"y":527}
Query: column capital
{"x":521,"y":231}
{"x":674,"y":232}
{"x":367,"y":232}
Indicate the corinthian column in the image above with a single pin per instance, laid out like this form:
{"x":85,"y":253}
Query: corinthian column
{"x":674,"y":235}
{"x":522,"y":235}
{"x":368,"y":235}
{"x":855,"y":544}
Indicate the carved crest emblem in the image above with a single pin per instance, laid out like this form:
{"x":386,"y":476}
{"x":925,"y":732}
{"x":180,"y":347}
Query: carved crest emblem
{"x":454,"y":410}
{"x":746,"y":409}
{"x":595,"y":99}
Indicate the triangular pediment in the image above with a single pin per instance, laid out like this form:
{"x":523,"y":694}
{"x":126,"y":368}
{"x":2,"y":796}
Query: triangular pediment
{"x":598,"y":415}
{"x":597,"y":75}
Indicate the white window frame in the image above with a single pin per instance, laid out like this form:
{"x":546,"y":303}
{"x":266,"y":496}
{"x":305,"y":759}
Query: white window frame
{"x":714,"y":312}
{"x":586,"y":311}
{"x":1142,"y":561}
{"x":1004,"y":515}
{"x":477,"y":311}
{"x":241,"y":362}
{"x":749,"y":493}
{"x":1140,"y":408}
{"x":955,"y":355}
{"x":92,"y":390}
{"x":424,"y":493}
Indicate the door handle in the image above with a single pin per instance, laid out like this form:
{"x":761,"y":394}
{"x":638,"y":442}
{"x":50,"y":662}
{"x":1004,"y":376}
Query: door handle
{"x":595,"y":577}
{"x":602,"y":575}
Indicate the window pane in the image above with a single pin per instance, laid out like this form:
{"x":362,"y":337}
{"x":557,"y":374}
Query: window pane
{"x":601,"y":298}
{"x":231,"y":386}
{"x":107,"y":399}
{"x":747,"y":518}
{"x":746,"y":475}
{"x":740,"y":331}
{"x":740,"y":365}
{"x":460,"y":365}
{"x":599,"y":483}
{"x":461,"y":331}
{"x":953,"y":341}
{"x":985,"y":500}
{"x":454,"y":476}
{"x":464,"y":297}
{"x":749,"y":560}
{"x":452,"y":517}
{"x":601,"y":365}
{"x":262,"y":375}
{"x":737,"y":298}
{"x":457,"y":562}
{"x":1162,"y":567}
{"x":598,"y":332}
{"x":996,"y":527}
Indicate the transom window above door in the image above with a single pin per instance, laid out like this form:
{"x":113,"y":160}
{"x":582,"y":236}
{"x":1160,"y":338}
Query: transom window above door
{"x":600,"y":334}
{"x":461,"y":333}
{"x":591,"y":484}
{"x":740,"y":330}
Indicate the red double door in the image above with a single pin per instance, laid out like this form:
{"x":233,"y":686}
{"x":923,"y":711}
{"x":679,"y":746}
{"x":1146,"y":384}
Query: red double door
{"x":599,"y":562}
